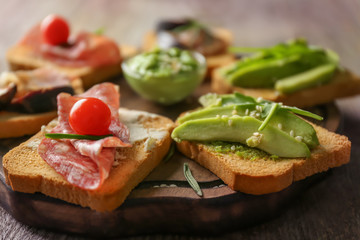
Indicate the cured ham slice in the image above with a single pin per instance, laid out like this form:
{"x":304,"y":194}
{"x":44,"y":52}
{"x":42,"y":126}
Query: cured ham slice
{"x":85,"y":49}
{"x":85,"y":163}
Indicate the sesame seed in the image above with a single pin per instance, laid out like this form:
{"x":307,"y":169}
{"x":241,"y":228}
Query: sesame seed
{"x":259,"y":99}
{"x":257,"y":115}
{"x":218,"y":116}
{"x":247,"y":111}
{"x":234,"y":112}
{"x":224,"y":116}
{"x":256,"y":133}
{"x":259,"y":108}
{"x":292,"y":133}
{"x":299,"y":138}
{"x":230,"y":122}
{"x":232,"y":148}
{"x":280,"y":126}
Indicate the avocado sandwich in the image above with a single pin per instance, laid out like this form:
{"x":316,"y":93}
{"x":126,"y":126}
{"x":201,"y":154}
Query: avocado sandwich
{"x":295,"y":73}
{"x":257,"y":146}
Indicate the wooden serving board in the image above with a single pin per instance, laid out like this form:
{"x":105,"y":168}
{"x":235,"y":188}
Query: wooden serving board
{"x":164,"y":202}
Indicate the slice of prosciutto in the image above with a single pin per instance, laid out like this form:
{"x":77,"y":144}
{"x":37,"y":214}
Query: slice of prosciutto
{"x":85,"y":49}
{"x":85,"y":163}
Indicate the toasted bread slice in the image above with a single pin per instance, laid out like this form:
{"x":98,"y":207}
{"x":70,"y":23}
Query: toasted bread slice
{"x":262,"y":176}
{"x":22,"y":58}
{"x":26,"y":171}
{"x":150,"y":41}
{"x":343,"y":84}
{"x":13,"y":124}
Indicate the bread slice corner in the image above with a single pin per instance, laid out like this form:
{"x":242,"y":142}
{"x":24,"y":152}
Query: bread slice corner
{"x":25,"y":171}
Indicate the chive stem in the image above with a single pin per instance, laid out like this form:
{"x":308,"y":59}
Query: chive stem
{"x":75,"y":136}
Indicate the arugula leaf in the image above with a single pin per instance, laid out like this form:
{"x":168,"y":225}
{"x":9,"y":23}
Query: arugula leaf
{"x":270,"y":112}
{"x":303,"y":112}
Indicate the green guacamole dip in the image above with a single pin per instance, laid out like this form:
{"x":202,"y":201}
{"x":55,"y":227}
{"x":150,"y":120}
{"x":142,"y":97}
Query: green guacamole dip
{"x":166,"y":76}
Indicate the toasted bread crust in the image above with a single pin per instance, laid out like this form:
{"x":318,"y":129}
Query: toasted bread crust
{"x":150,"y":41}
{"x":344,"y":84}
{"x":20,"y":124}
{"x":266,"y":176}
{"x":22,"y":58}
{"x":26,"y":171}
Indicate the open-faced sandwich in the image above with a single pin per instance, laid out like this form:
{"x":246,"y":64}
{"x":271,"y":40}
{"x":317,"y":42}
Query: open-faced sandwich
{"x":28,"y":99}
{"x":93,"y":154}
{"x":190,"y":34}
{"x":294,"y":73}
{"x":257,"y":146}
{"x":91,"y":56}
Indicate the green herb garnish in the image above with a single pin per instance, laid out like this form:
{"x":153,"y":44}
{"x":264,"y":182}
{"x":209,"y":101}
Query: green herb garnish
{"x":100,"y":31}
{"x":75,"y":136}
{"x":170,"y":153}
{"x":191,"y":180}
{"x":303,"y":112}
{"x":192,"y":24}
{"x":274,"y":107}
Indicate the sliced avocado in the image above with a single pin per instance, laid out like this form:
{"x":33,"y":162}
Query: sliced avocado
{"x":265,"y":73}
{"x":243,"y":130}
{"x":282,"y":120}
{"x":307,"y":79}
{"x":287,"y":122}
{"x":219,"y":112}
{"x":265,"y":66}
{"x":213,"y":99}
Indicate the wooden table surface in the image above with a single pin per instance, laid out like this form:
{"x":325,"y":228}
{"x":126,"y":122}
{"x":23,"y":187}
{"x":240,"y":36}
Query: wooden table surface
{"x":331,"y":208}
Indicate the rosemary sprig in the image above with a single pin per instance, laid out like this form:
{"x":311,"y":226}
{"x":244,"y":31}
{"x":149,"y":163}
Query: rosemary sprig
{"x":191,"y":180}
{"x":75,"y":136}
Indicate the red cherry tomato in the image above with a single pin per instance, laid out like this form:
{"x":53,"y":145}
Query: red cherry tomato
{"x":54,"y":30}
{"x":90,"y":116}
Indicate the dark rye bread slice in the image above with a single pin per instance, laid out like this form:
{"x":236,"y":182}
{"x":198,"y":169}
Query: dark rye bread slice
{"x":344,"y":84}
{"x":22,"y":58}
{"x":261,"y":176}
{"x":150,"y":42}
{"x":25,"y":171}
